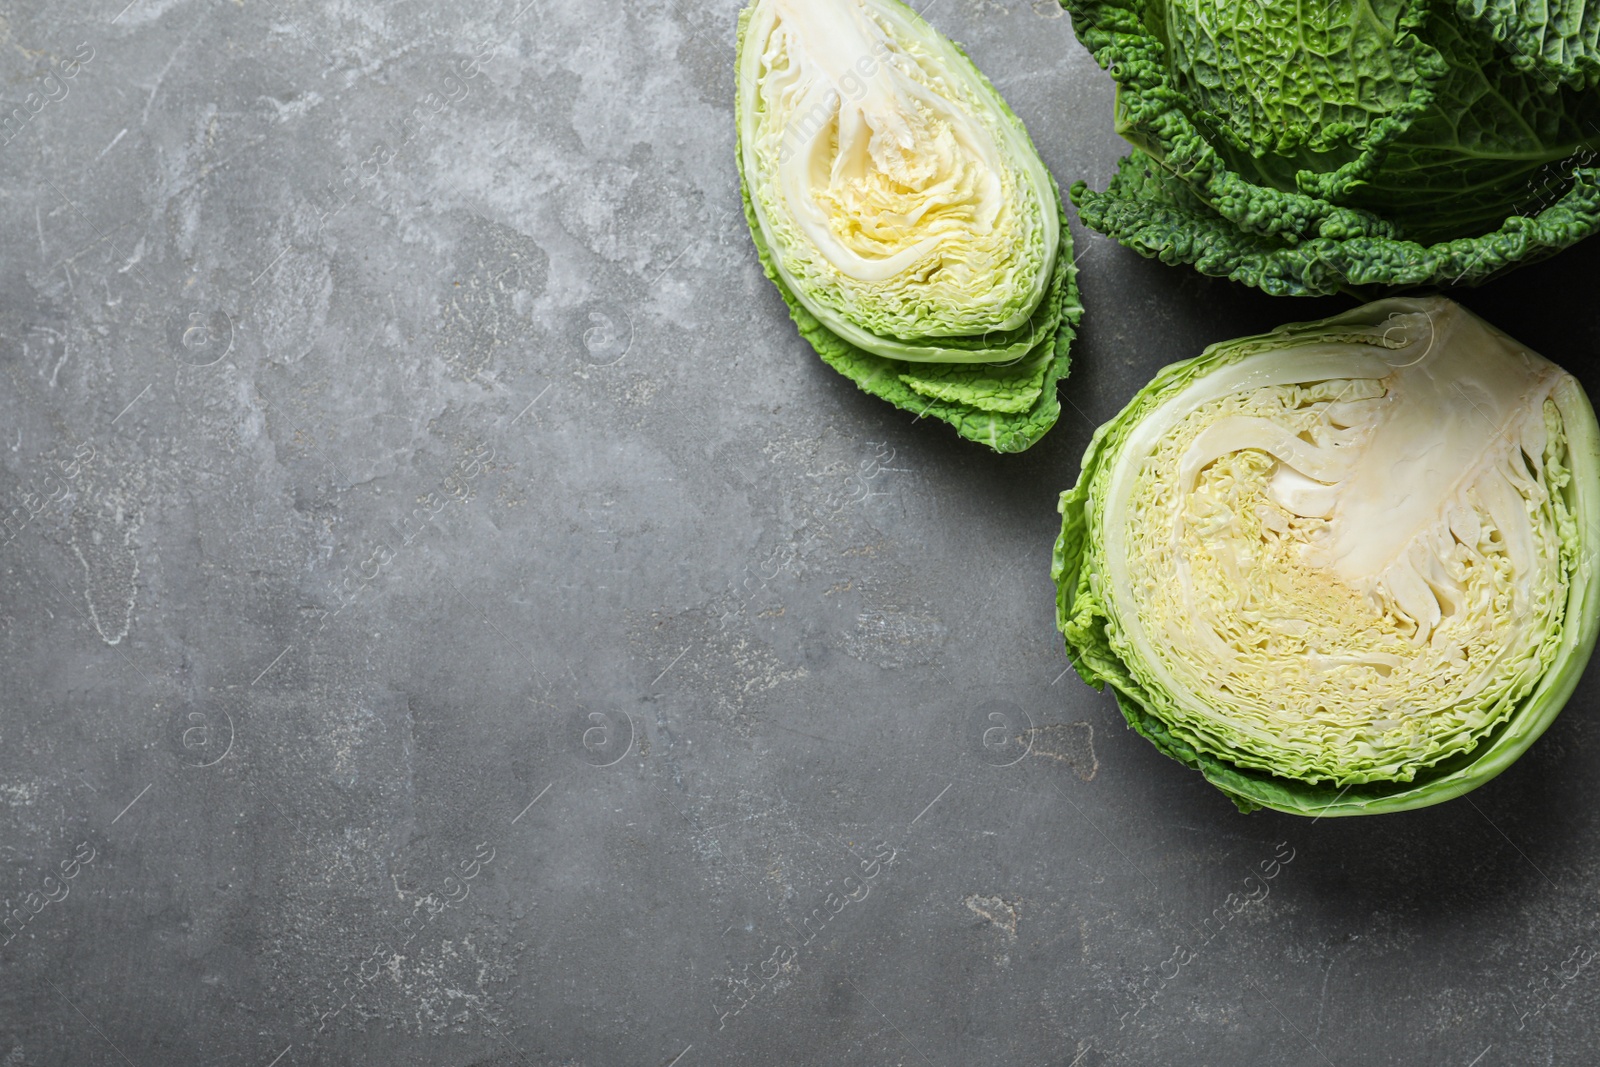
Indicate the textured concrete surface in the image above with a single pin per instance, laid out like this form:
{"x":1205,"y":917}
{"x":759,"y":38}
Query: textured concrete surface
{"x":447,"y":616}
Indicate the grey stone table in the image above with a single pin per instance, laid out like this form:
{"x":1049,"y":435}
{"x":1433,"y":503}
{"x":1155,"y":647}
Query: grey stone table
{"x":457,"y":621}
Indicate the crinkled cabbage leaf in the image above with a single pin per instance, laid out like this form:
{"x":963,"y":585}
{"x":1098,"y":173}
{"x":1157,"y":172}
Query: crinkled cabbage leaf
{"x":1307,"y":147}
{"x":904,"y":215}
{"x":1343,"y":568}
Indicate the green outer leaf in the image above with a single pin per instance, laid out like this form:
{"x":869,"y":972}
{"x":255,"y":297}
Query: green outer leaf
{"x":1305,"y":96}
{"x":1158,"y":216}
{"x":1182,"y":200}
{"x":1560,"y":38}
{"x":1494,"y":139}
{"x":1009,"y":387}
{"x":1084,"y":621}
{"x":1150,"y":113}
{"x":907,"y":385}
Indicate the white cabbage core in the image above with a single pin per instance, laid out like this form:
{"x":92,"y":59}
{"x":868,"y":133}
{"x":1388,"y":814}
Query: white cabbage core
{"x":1343,"y":560}
{"x":896,"y":195}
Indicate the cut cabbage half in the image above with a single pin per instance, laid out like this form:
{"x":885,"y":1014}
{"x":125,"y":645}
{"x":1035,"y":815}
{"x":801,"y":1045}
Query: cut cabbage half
{"x":1343,"y":568}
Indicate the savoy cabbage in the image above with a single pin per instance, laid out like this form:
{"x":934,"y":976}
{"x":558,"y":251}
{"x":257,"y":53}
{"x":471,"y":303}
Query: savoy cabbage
{"x":1312,"y":146}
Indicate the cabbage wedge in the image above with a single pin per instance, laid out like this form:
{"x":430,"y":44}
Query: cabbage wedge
{"x":1343,"y":568}
{"x":904,"y":215}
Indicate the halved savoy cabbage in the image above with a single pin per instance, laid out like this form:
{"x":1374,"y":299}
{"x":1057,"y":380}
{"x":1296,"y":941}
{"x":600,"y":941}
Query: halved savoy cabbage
{"x":904,"y":215}
{"x":1343,"y":568}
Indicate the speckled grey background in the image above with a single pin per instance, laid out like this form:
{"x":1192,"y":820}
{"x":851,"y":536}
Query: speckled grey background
{"x":447,"y":616}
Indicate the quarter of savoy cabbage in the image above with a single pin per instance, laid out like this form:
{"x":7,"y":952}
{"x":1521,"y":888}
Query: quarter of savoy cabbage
{"x":904,"y":215}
